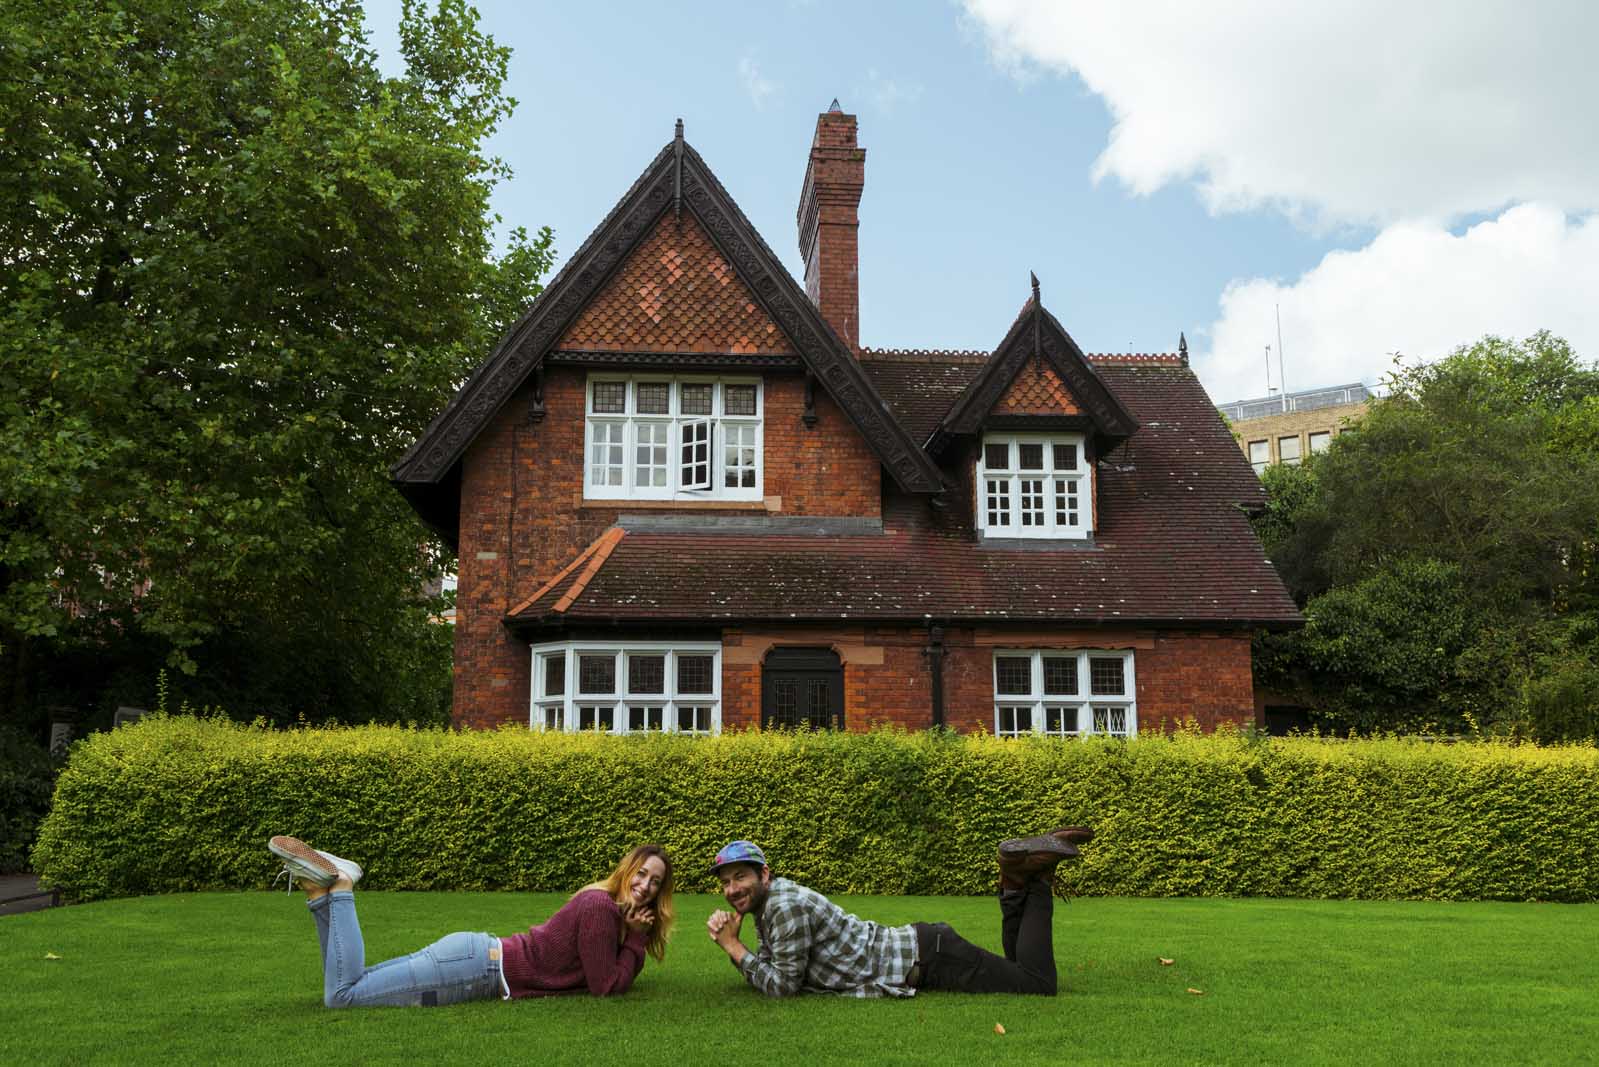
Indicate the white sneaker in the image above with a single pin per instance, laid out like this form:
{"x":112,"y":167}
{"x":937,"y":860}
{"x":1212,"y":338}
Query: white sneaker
{"x":349,"y":868}
{"x":302,"y":861}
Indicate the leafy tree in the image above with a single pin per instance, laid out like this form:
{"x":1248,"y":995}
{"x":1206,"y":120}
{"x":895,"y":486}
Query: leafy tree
{"x":242,"y":268}
{"x":1444,"y":552}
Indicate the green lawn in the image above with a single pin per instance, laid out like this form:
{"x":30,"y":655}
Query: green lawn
{"x":213,"y":978}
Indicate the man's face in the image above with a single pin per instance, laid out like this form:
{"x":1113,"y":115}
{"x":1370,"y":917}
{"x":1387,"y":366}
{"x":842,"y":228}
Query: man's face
{"x":744,"y":886}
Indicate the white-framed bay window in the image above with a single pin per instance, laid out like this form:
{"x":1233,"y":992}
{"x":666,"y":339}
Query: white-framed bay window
{"x":672,"y":437}
{"x":1034,"y":485}
{"x":1064,"y":693}
{"x":628,"y":687}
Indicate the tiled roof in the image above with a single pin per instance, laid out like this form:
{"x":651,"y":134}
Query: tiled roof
{"x":675,"y":293}
{"x":1172,"y":547}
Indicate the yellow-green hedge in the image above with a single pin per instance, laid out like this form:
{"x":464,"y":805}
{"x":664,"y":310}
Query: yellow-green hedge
{"x":185,"y":804}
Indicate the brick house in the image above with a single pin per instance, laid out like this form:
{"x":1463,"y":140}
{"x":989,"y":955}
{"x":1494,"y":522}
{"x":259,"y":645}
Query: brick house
{"x":685,"y":499}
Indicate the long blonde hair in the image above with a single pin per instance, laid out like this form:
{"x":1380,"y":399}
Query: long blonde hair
{"x":616,"y":886}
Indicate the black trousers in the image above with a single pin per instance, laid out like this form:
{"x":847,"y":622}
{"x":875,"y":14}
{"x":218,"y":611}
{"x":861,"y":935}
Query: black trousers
{"x":947,"y":961}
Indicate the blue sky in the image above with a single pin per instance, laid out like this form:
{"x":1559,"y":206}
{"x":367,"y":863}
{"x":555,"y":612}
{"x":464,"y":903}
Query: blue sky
{"x":1393,"y":183}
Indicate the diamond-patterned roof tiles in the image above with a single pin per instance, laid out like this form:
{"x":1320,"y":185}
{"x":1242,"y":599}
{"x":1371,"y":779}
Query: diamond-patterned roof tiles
{"x":675,"y":293}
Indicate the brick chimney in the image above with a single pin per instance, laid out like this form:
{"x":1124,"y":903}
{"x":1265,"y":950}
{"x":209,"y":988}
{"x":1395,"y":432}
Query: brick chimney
{"x":828,"y":223}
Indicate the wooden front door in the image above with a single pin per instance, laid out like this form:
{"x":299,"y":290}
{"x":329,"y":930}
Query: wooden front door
{"x":802,"y":687}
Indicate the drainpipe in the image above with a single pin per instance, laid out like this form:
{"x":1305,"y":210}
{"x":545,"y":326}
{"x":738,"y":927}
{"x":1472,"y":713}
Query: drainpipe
{"x":935,"y":666}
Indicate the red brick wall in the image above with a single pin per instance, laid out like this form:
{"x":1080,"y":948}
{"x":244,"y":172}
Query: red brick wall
{"x":1179,"y":676}
{"x":523,"y":516}
{"x":829,"y":223}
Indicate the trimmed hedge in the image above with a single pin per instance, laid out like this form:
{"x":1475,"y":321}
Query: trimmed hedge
{"x":177,"y":803}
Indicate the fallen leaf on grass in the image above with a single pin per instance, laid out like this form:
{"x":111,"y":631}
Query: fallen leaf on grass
{"x":51,"y":956}
{"x":1196,"y":992}
{"x":999,"y":1028}
{"x":1164,"y":962}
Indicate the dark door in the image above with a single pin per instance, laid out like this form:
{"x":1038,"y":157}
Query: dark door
{"x":802,"y":687}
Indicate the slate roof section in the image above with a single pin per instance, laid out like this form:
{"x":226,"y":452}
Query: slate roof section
{"x":1174,"y":546}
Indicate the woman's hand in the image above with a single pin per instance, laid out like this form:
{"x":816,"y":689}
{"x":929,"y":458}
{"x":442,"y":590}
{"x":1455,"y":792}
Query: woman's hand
{"x":639,"y":920}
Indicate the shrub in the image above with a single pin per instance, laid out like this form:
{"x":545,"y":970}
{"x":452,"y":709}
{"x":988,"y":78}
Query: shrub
{"x":27,"y":776}
{"x":186,"y":804}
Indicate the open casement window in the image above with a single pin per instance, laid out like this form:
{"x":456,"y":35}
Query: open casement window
{"x":664,"y":437}
{"x":1064,"y":693}
{"x":1034,"y":485}
{"x":628,"y":688}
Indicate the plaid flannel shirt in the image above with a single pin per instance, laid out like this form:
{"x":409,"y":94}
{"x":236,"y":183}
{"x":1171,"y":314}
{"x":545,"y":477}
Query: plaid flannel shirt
{"x":810,"y":945}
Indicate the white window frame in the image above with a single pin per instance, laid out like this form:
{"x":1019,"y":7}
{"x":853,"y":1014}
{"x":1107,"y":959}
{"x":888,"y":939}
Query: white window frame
{"x":1078,"y":714}
{"x":1000,"y":505}
{"x":562,"y":711}
{"x":681,"y":482}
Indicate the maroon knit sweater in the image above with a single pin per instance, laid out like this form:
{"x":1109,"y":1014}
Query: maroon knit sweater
{"x":579,"y":947}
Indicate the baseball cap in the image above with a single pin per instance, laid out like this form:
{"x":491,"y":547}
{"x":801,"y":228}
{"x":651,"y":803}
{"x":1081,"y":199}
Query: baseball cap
{"x":739,"y":852}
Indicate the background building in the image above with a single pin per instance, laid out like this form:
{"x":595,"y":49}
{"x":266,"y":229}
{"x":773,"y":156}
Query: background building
{"x":1288,"y":427}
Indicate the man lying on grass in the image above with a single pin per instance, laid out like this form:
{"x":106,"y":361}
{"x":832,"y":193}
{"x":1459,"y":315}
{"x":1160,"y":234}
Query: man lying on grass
{"x":810,"y":945}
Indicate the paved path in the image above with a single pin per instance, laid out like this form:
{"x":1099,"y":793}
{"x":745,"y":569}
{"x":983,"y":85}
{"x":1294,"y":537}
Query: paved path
{"x":15,"y":885}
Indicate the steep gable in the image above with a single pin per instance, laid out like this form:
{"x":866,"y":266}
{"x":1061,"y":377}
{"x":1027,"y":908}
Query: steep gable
{"x":675,"y":293}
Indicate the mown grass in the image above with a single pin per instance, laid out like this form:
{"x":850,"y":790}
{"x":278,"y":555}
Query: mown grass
{"x":234,"y":977}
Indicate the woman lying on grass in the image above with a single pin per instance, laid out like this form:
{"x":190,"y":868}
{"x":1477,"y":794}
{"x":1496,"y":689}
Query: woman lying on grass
{"x":595,"y":943}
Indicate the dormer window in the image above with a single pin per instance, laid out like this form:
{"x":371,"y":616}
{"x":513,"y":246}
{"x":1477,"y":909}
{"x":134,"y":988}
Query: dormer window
{"x":664,"y":437}
{"x":1034,"y":485}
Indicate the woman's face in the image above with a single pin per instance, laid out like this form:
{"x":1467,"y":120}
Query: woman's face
{"x":646,"y":882}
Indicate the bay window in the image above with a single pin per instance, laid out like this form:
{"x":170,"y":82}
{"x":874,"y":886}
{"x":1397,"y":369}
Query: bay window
{"x":627,"y":688}
{"x":671,"y":437}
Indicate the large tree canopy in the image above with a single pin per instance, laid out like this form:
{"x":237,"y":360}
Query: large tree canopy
{"x":240,"y":269}
{"x":1445,"y":551}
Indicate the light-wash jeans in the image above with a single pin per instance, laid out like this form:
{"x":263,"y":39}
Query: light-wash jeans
{"x":454,"y":968}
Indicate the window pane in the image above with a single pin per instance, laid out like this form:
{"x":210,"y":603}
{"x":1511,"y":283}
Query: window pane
{"x":1032,"y":456}
{"x":996,"y":456}
{"x":1110,"y":721}
{"x":591,"y":717}
{"x":554,"y":675}
{"x":1060,"y":675}
{"x":695,"y":472}
{"x":646,"y":674}
{"x":1105,"y":676}
{"x":1320,"y":442}
{"x":1032,"y":501}
{"x":643,"y":719}
{"x":738,"y":456}
{"x":1288,"y":450}
{"x":1259,"y":455}
{"x":1013,"y":675}
{"x":610,"y":398}
{"x":654,"y":398}
{"x":694,"y":674}
{"x":1065,"y":457}
{"x":693,"y":720}
{"x":1014,"y":721}
{"x":605,"y":453}
{"x":1060,"y":721}
{"x":555,"y":718}
{"x":596,"y":674}
{"x":998,"y":499}
{"x":695,"y":398}
{"x":649,"y":455}
{"x":1066,"y":513}
{"x":738,"y":400}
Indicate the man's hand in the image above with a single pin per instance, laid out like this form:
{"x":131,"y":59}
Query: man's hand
{"x":724,"y":926}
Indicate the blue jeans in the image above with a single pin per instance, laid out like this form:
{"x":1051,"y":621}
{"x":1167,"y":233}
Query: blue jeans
{"x":454,"y":968}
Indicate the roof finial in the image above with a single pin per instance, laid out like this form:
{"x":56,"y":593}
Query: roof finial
{"x":833,"y":108}
{"x":1182,"y":347}
{"x":1038,"y":327}
{"x":1033,"y":276}
{"x":677,"y":181}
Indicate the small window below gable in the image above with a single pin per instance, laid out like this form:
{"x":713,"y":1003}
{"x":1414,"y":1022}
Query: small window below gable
{"x":1034,"y":485}
{"x":665,"y":437}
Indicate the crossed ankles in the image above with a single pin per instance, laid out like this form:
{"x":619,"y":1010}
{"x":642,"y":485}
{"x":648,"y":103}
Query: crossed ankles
{"x":319,"y":872}
{"x":1022,"y":859}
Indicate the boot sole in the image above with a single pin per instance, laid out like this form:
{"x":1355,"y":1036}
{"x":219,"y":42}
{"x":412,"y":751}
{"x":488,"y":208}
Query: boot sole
{"x":305,"y":861}
{"x":1021,"y":847}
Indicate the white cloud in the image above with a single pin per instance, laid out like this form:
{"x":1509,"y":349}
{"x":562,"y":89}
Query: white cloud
{"x":1417,"y":289}
{"x":755,"y":84}
{"x":1365,"y":111}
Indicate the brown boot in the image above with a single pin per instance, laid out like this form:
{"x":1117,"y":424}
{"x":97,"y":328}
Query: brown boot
{"x":1077,"y":835}
{"x":1021,"y":858}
